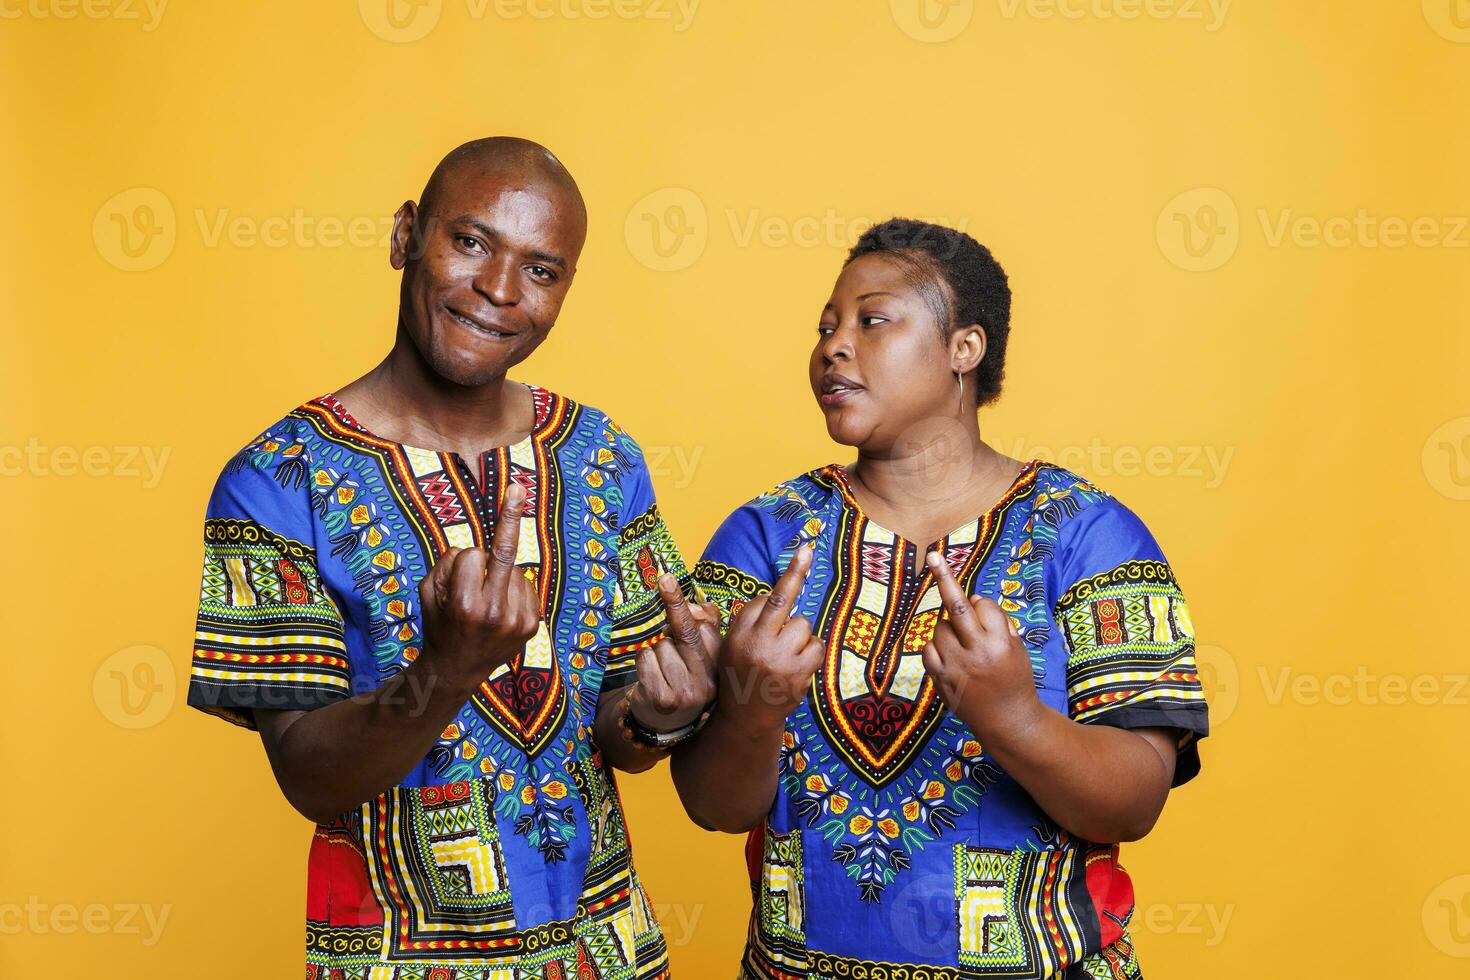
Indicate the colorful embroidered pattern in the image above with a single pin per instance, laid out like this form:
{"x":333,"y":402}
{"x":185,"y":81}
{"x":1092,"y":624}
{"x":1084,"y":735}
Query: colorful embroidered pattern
{"x":265,"y":624}
{"x":886,"y":797}
{"x":503,"y":853}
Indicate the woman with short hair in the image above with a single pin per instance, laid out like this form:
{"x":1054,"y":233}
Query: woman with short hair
{"x":952,"y":682}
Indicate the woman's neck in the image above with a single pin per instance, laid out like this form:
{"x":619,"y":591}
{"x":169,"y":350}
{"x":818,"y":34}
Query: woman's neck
{"x":932,"y":482}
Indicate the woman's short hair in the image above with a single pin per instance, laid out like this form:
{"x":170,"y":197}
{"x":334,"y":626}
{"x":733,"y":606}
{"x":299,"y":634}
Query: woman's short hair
{"x":959,"y":278}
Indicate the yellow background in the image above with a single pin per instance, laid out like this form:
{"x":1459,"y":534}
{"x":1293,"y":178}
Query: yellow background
{"x":1327,"y":833}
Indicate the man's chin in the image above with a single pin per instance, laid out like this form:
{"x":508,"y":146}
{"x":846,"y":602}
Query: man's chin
{"x":457,"y":367}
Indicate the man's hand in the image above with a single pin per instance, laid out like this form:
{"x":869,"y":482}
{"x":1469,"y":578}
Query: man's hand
{"x":978,"y":661}
{"x":676,"y":676}
{"x":478,"y":607}
{"x":769,"y":657}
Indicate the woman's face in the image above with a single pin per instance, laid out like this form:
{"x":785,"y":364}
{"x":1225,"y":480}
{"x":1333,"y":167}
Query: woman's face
{"x":881,"y":365}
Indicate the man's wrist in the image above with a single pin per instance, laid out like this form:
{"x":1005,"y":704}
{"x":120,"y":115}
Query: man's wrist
{"x":662,"y":738}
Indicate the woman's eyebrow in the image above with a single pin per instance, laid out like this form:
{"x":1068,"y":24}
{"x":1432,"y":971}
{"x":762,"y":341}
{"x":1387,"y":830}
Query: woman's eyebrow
{"x":881,"y":292}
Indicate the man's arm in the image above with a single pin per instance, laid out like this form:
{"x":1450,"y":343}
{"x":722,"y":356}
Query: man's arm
{"x":676,"y":682}
{"x":478,"y":613}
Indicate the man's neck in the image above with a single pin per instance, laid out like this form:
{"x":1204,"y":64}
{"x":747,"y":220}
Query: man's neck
{"x":405,"y":401}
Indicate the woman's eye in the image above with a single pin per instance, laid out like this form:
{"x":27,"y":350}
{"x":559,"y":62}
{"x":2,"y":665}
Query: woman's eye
{"x":825,"y":328}
{"x":871,"y":319}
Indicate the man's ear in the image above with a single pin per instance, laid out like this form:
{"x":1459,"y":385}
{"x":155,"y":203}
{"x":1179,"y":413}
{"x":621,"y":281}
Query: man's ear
{"x":401,"y":245}
{"x":967,"y":348}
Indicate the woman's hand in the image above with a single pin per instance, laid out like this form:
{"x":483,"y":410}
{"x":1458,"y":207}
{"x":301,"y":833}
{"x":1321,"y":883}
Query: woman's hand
{"x":978,"y":661}
{"x":769,"y":656}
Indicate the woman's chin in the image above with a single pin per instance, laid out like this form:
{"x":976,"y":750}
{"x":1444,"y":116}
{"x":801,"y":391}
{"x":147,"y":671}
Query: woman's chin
{"x":846,"y":431}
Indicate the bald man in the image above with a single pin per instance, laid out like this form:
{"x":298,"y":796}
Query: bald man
{"x":441,"y":596}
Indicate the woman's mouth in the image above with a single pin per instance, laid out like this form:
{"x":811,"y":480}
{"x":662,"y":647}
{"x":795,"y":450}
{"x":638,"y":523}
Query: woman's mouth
{"x":837,"y":389}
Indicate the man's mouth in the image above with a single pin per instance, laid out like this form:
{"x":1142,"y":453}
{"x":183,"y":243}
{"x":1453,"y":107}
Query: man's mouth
{"x":479,"y":326}
{"x":837,"y":389}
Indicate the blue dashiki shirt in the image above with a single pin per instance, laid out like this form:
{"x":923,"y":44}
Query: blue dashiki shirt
{"x":503,"y":854}
{"x":896,"y":848}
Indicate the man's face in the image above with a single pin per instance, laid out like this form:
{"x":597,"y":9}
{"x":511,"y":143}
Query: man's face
{"x":485,"y":274}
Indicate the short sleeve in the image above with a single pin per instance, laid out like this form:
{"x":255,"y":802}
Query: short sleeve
{"x":751,"y":548}
{"x":645,"y":549}
{"x":268,"y":634}
{"x":1127,"y":630}
{"x":736,"y":567}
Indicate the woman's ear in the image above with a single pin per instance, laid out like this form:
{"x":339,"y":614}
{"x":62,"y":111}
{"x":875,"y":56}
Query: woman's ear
{"x":967,"y":348}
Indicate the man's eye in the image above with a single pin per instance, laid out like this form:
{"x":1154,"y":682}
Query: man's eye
{"x":469,"y":243}
{"x":542,"y":273}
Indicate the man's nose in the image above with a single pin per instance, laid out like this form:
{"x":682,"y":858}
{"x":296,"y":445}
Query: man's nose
{"x":498,"y":281}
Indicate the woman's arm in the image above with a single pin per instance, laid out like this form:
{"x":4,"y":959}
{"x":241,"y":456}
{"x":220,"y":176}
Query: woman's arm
{"x":1099,"y":783}
{"x":726,"y":776}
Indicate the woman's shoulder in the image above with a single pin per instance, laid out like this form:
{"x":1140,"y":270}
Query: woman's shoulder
{"x":1067,"y":501}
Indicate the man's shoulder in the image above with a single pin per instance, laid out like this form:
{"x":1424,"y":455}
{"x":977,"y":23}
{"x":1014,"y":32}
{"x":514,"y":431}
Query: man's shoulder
{"x":289,"y":438}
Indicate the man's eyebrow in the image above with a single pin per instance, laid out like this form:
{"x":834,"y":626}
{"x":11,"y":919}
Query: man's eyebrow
{"x":495,"y":237}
